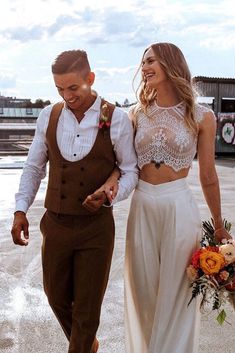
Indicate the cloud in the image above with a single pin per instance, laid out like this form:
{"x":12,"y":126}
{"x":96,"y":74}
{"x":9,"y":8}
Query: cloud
{"x":61,"y":22}
{"x":113,"y":26}
{"x":89,"y":15}
{"x":218,"y":41}
{"x":147,"y":22}
{"x":119,"y":22}
{"x":96,"y":39}
{"x":109,"y":72}
{"x":23,"y":34}
{"x":93,"y":26}
{"x":37,"y":32}
{"x":70,"y":2}
{"x":7,"y":81}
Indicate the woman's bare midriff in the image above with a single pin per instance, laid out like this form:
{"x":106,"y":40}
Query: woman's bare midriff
{"x":161,"y":174}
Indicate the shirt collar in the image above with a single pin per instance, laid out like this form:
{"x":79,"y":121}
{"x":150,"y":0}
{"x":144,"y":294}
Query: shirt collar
{"x":96,"y":105}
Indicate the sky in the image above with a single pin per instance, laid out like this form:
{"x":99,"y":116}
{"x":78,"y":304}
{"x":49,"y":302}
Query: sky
{"x":114,"y":34}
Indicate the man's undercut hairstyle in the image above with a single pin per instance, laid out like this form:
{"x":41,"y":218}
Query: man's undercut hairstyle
{"x":71,"y":61}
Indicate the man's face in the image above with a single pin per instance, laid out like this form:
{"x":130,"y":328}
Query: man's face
{"x":74,"y":88}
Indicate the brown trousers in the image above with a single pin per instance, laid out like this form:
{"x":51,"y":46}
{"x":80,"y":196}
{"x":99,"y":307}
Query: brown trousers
{"x":76,"y":258}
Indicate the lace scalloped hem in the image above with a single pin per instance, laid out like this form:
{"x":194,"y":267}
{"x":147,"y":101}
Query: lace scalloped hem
{"x":172,"y":164}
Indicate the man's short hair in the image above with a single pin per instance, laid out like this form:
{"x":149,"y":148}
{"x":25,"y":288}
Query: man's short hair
{"x":71,"y":61}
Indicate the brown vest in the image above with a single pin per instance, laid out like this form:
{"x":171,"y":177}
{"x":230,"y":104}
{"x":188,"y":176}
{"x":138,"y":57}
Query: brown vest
{"x":71,"y":182}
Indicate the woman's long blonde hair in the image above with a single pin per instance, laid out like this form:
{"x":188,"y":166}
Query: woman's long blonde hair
{"x":173,"y":62}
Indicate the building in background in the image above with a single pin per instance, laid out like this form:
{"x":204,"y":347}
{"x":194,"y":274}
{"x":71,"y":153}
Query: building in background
{"x":18,"y":116}
{"x":17,"y":123}
{"x":219,"y":94}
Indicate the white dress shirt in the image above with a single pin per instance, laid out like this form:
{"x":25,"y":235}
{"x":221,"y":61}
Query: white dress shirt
{"x":75,"y":141}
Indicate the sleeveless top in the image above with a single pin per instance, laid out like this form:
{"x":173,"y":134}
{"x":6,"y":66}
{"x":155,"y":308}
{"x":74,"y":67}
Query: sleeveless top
{"x":163,"y":136}
{"x":69,"y":183}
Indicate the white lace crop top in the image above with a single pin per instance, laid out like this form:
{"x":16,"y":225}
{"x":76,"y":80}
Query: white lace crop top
{"x":163,"y":137}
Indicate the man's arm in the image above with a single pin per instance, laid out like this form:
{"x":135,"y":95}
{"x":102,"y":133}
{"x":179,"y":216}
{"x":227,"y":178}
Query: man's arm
{"x":125,"y":177}
{"x":123,"y":139}
{"x":33,"y":172}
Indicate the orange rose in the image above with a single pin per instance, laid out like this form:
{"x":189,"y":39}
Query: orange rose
{"x":211,"y":262}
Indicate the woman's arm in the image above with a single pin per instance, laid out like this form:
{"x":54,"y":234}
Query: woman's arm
{"x":110,"y":187}
{"x":208,"y":176}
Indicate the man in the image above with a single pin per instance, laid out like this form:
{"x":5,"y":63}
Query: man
{"x":84,"y":139}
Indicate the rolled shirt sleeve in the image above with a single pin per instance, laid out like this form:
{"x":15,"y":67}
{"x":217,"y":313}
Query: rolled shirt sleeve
{"x":35,"y":166}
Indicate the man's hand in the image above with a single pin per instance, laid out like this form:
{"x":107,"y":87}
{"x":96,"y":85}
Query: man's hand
{"x":94,"y":201}
{"x":20,"y":225}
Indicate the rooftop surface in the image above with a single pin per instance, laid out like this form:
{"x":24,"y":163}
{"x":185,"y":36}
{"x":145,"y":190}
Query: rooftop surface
{"x":27,"y":324}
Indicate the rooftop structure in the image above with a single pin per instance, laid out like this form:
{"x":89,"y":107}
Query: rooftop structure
{"x":18,"y":118}
{"x":221,"y":92}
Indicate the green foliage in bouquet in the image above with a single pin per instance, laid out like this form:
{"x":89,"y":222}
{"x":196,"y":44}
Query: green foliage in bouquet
{"x":208,"y":238}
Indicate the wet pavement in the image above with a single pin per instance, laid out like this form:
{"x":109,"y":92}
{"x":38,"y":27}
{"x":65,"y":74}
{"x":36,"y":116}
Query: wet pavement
{"x":27,"y":324}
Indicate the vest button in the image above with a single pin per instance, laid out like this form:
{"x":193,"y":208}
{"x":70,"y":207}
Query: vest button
{"x":64,"y":166}
{"x":63,"y":197}
{"x":80,"y":199}
{"x":63,"y":182}
{"x":82,"y":169}
{"x":81,"y":183}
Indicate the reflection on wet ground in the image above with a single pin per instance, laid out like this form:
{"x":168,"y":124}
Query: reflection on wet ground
{"x":27,"y":324}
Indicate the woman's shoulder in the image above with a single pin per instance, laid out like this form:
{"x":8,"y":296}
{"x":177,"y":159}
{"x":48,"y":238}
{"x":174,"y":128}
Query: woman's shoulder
{"x":134,"y":112}
{"x":135,"y":108}
{"x":201,"y":111}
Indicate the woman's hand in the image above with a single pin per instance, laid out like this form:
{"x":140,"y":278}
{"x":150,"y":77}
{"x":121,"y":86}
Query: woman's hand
{"x":110,"y":187}
{"x":221,"y":233}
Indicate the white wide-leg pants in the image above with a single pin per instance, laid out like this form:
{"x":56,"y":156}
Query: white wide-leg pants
{"x":164,"y":228}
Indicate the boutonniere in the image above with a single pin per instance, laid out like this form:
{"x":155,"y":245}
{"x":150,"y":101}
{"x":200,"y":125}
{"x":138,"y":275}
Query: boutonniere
{"x":104,"y":122}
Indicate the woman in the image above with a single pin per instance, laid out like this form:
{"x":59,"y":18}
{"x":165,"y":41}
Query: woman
{"x":164,"y":225}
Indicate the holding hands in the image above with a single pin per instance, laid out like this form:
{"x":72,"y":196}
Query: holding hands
{"x":105,"y":194}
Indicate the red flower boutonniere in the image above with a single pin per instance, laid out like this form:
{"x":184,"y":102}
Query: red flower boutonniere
{"x":104,"y":122}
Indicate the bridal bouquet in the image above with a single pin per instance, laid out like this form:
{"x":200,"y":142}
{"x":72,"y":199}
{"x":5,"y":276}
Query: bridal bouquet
{"x":212,"y":272}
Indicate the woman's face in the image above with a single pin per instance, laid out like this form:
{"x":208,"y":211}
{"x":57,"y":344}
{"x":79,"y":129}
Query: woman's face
{"x":152,"y":72}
